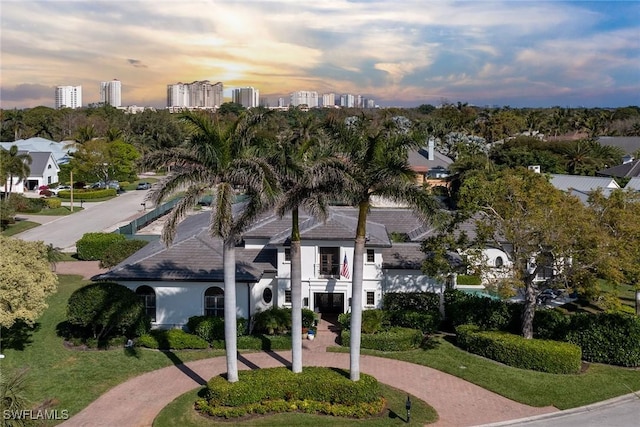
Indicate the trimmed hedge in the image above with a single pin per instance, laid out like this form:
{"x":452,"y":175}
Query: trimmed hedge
{"x":466,"y":280}
{"x":92,"y":246}
{"x":428,"y":322}
{"x":411,"y":301}
{"x":539,"y":355}
{"x":612,"y":338}
{"x":211,"y":328}
{"x":258,"y":342}
{"x":462,"y":308}
{"x":171,"y":339}
{"x":394,"y":339}
{"x":120,"y":250}
{"x":315,"y":390}
{"x":53,"y":203}
{"x":87,"y":194}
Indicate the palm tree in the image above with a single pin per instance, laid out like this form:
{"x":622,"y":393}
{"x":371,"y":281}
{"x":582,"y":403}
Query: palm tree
{"x":308,"y":174}
{"x":218,"y":158}
{"x":377,"y":158}
{"x":13,"y":164}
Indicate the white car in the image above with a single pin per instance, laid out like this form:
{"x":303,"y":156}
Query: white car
{"x":59,"y":188}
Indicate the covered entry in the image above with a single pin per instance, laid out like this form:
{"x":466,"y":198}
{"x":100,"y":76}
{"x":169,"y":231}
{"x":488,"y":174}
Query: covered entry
{"x":329,"y":302}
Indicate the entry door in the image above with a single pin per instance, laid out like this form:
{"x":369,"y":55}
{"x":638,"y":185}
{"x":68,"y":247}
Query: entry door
{"x":329,"y":302}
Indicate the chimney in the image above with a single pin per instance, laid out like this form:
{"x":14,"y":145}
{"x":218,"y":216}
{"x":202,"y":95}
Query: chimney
{"x":534,"y":168}
{"x":627,"y":159}
{"x":432,"y":145}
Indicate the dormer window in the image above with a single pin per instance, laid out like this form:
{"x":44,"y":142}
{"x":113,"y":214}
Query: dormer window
{"x":499,"y":262}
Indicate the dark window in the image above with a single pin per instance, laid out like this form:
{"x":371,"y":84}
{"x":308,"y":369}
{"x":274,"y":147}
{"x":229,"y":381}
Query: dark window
{"x":371,"y":255}
{"x":287,"y":297}
{"x":267,"y":295}
{"x":371,"y":298}
{"x":148,"y":296}
{"x":499,"y":262}
{"x":330,"y":262}
{"x":214,"y":302}
{"x":287,"y":254}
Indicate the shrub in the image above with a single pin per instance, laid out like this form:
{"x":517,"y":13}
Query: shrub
{"x":53,"y":203}
{"x":411,"y":301}
{"x":513,"y":350}
{"x":258,"y":342}
{"x":372,"y":321}
{"x":120,"y":250}
{"x":92,"y":246}
{"x":24,"y":204}
{"x":550,"y":325}
{"x":211,"y":328}
{"x":612,"y":338}
{"x":462,"y":308}
{"x":308,"y":318}
{"x":101,"y":310}
{"x":274,"y":320}
{"x":82,"y":194}
{"x":314,"y":390}
{"x":463,"y":279}
{"x":394,"y":339}
{"x":171,"y":339}
{"x":428,"y":322}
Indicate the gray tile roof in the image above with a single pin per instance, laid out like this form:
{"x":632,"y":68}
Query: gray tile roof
{"x":629,"y":144}
{"x":403,"y":256}
{"x":625,"y":170}
{"x":633,"y":184}
{"x":420,"y":161}
{"x":39,"y":162}
{"x":583,"y":184}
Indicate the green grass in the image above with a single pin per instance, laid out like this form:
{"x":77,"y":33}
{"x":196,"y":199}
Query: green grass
{"x":626,"y":293}
{"x":19,"y":227}
{"x":180,"y":412}
{"x":62,"y":210}
{"x":75,"y":378}
{"x":598,"y":383}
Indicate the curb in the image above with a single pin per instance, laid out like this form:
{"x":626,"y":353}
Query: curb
{"x":581,"y":409}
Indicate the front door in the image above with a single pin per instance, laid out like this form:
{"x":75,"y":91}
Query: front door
{"x":329,"y":302}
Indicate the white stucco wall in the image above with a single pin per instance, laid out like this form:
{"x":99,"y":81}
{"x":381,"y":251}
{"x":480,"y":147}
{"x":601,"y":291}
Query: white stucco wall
{"x":409,"y":281}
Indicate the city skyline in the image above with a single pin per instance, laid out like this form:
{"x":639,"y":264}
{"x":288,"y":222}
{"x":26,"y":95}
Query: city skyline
{"x":401,"y":53}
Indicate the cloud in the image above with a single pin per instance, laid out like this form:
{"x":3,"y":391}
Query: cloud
{"x":26,"y":91}
{"x":136,"y":63}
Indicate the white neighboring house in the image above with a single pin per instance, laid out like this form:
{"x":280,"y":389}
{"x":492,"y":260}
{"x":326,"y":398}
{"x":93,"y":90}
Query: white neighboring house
{"x":186,"y":279}
{"x":44,"y":171}
{"x":60,"y":150}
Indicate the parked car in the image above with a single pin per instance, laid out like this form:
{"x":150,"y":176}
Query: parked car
{"x":111,"y":184}
{"x":59,"y":188}
{"x":143,"y":186}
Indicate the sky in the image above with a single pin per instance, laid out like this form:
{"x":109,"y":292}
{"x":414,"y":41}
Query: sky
{"x":398,"y":52}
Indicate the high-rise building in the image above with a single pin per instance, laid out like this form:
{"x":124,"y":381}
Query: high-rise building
{"x":68,"y":97}
{"x":328,"y":99}
{"x":248,"y":97}
{"x":304,"y":97}
{"x":111,"y":93}
{"x":198,"y":94}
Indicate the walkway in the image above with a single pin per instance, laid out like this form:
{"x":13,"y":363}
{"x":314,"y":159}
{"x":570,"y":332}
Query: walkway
{"x":136,"y":402}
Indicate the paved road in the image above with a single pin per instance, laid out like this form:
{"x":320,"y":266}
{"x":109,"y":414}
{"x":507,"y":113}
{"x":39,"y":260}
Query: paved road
{"x":64,"y":232}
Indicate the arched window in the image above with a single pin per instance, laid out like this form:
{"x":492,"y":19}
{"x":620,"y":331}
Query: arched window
{"x":214,"y":302}
{"x":499,"y":262}
{"x":148,"y":296}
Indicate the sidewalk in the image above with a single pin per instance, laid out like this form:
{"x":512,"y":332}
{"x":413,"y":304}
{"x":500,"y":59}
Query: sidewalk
{"x":458,"y":403}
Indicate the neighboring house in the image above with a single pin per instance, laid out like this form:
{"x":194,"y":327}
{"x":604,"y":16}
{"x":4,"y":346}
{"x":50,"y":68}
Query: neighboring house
{"x":59,"y":150}
{"x":186,"y":279}
{"x":633,"y":184}
{"x":628,"y":169}
{"x":44,"y":171}
{"x":429,"y":165}
{"x":581,"y":186}
{"x":628,"y":144}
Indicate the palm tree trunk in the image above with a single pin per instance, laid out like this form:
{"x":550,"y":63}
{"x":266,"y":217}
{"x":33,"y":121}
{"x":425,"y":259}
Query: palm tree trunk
{"x":529,"y":311}
{"x":296,"y":295}
{"x":230,"y":308}
{"x":356,"y":292}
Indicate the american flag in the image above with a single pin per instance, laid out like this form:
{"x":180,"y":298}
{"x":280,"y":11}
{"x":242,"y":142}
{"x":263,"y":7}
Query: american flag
{"x":345,"y":267}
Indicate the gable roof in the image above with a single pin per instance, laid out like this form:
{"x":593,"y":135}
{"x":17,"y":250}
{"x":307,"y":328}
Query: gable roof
{"x":624,"y":170}
{"x":59,"y":150}
{"x":633,"y":184}
{"x":583,"y":184}
{"x":420,"y":161}
{"x":39,"y":162}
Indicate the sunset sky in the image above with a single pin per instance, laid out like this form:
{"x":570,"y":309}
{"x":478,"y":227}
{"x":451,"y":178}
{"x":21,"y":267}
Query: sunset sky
{"x":403,"y":53}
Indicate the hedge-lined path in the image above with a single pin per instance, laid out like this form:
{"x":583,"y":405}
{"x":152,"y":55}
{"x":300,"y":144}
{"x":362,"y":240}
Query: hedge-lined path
{"x":135,"y":403}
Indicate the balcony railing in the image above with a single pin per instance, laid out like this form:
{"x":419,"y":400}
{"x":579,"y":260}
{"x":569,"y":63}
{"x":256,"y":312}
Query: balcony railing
{"x":327,"y":271}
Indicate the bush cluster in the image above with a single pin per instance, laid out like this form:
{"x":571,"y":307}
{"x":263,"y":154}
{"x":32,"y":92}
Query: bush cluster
{"x":464,"y":279}
{"x":211,"y":328}
{"x":428,"y":322}
{"x":20,"y":203}
{"x":415,"y":310}
{"x":392,"y":339}
{"x":171,"y":339}
{"x":612,"y":338}
{"x":274,"y":320}
{"x":104,"y":310}
{"x":92,"y":246}
{"x":53,"y":203}
{"x":119,"y":250}
{"x":539,"y":355}
{"x":462,"y":308}
{"x":258,"y":342}
{"x":314,"y":390}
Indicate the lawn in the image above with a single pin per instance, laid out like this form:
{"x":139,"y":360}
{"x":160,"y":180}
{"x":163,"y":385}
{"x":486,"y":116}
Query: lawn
{"x":74,"y":378}
{"x":19,"y":227}
{"x":180,"y":412}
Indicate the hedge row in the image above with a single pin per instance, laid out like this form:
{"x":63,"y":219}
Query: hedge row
{"x":313,"y":383}
{"x":539,"y":355}
{"x":411,"y":301}
{"x":393,"y":339}
{"x":211,"y":328}
{"x":258,"y":342}
{"x":92,"y":246}
{"x":120,"y":250}
{"x":87,"y":194}
{"x":171,"y":339}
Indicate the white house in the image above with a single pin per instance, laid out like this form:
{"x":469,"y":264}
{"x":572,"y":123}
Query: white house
{"x":186,"y":278}
{"x":43,"y":171}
